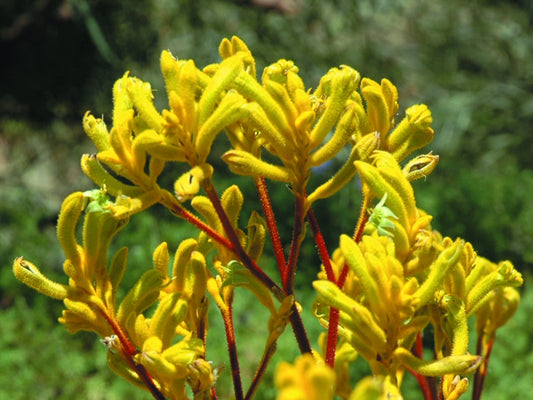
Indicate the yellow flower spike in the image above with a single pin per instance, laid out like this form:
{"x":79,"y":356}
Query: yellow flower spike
{"x":181,"y":259}
{"x":357,"y":263}
{"x":390,"y":94}
{"x":504,"y":275}
{"x":391,"y":171}
{"x":361,"y":151}
{"x":205,"y":208}
{"x":343,"y":83}
{"x":81,"y":315}
{"x":232,"y":201}
{"x":281,"y":96}
{"x":29,"y":274}
{"x":412,"y":133}
{"x":458,"y":323}
{"x":121,"y":99}
{"x":375,"y":387}
{"x":170,"y":68}
{"x":256,"y":236}
{"x":464,"y":364}
{"x":420,"y":166}
{"x":141,"y":331}
{"x":116,"y":273}
{"x":123,"y":369}
{"x":353,"y":315}
{"x":378,"y":185}
{"x":455,"y":281}
{"x":197,"y":278}
{"x":456,"y":388}
{"x":142,"y":295}
{"x":244,"y":163}
{"x":500,"y":306}
{"x":252,"y":90}
{"x":149,"y":141}
{"x":181,"y":81}
{"x":170,"y":312}
{"x":213,"y":287}
{"x":99,"y":175}
{"x":265,"y":130}
{"x":226,"y":73}
{"x":120,"y":138}
{"x":161,"y":258}
{"x":96,"y":129}
{"x":236,"y":275}
{"x":125,"y":206}
{"x":188,"y":184}
{"x":401,"y":241}
{"x":279,"y":320}
{"x":446,"y":260}
{"x":346,"y":126}
{"x":307,"y":379}
{"x":99,"y":228}
{"x":143,"y":100}
{"x":236,"y":45}
{"x":66,"y":227}
{"x":230,"y":110}
{"x":376,"y":106}
{"x":185,"y":351}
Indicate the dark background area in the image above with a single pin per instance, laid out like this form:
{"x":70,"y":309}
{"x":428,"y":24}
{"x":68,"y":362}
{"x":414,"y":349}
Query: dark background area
{"x":471,"y":62}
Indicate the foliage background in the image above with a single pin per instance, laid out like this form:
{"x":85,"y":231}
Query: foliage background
{"x":471,"y":62}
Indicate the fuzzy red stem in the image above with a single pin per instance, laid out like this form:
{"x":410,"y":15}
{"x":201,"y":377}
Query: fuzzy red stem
{"x":232,"y":350}
{"x":288,"y":278}
{"x":128,"y":351}
{"x":271,"y":224}
{"x":232,"y":244}
{"x":481,"y":373}
{"x":331,"y":346}
{"x":428,"y":390}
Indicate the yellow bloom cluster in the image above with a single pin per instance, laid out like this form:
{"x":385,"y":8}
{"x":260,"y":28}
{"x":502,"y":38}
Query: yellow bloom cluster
{"x":380,"y":289}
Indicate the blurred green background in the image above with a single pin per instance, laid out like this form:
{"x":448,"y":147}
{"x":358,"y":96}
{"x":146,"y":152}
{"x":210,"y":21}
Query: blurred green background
{"x":471,"y":62}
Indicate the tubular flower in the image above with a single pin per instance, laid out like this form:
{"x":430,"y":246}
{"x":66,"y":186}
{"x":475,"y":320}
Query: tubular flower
{"x":307,"y":379}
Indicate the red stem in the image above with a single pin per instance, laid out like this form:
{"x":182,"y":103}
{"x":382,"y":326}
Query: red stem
{"x":227,"y":316}
{"x":288,"y":277}
{"x":481,"y":373}
{"x":232,"y":244}
{"x":331,"y":346}
{"x":271,"y":224}
{"x":128,"y":351}
{"x":427,"y":384}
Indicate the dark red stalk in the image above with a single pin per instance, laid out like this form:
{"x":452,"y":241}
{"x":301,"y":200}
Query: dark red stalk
{"x":128,"y":351}
{"x":271,"y":224}
{"x":288,"y":278}
{"x":426,"y":384}
{"x":296,"y":321}
{"x":481,"y":373}
{"x":331,"y":346}
{"x":232,"y":244}
{"x":227,"y":316}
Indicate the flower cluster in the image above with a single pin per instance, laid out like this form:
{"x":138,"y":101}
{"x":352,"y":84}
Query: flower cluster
{"x":376,"y":294}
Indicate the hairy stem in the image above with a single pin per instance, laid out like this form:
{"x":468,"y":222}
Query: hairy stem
{"x":227,"y":315}
{"x":296,"y":321}
{"x":271,"y":224}
{"x":232,"y":244}
{"x":427,"y":384}
{"x":481,"y":372}
{"x":333,"y":326}
{"x":288,"y":278}
{"x":267,"y":356}
{"x":128,"y":351}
